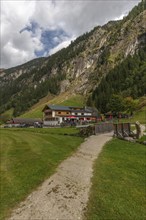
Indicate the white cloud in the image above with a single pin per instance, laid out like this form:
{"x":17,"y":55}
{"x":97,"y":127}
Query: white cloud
{"x":77,"y":17}
{"x":74,"y":17}
{"x":17,"y":48}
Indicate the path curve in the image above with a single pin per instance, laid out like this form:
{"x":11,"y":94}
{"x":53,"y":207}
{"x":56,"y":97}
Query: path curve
{"x":64,"y":195}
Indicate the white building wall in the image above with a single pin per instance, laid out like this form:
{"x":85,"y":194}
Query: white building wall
{"x":60,"y":119}
{"x":53,"y":114}
{"x":89,"y":114}
{"x":50,"y":123}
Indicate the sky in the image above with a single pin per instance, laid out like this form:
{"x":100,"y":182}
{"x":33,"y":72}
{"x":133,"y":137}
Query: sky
{"x":36,"y":28}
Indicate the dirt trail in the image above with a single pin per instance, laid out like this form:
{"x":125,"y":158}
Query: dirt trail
{"x":64,"y":195}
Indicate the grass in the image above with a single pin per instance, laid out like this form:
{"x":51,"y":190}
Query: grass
{"x":142,"y":139}
{"x":141,"y":115}
{"x":138,"y":116}
{"x":57,"y":131}
{"x":77,"y":100}
{"x":6,"y":116}
{"x":28,"y":157}
{"x":133,"y":127}
{"x":119,"y":181}
{"x":9,"y":112}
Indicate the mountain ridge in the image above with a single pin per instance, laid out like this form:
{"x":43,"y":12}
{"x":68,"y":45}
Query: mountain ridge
{"x":79,"y":68}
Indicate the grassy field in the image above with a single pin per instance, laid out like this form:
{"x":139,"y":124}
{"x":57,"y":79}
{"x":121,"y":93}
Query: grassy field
{"x":57,"y":131}
{"x":119,"y":181}
{"x":28,"y":157}
{"x":77,"y":100}
{"x":138,"y":116}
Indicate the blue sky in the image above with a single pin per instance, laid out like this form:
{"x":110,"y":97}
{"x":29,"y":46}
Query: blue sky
{"x":49,"y":38}
{"x":31,"y":29}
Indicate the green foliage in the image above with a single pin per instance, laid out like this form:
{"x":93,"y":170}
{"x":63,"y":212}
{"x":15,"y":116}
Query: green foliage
{"x":118,"y":184}
{"x":30,"y":64}
{"x":116,"y":104}
{"x":23,"y":97}
{"x":136,"y":10}
{"x":127,"y":79}
{"x":130,"y":105}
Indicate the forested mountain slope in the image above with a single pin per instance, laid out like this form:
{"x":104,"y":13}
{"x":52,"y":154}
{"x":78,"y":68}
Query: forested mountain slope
{"x":128,"y":79}
{"x":110,"y":59}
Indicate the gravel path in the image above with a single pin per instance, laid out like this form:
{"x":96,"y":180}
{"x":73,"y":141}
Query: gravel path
{"x":65,"y":194}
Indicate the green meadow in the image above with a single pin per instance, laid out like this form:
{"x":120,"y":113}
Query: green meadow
{"x":28,"y":157}
{"x":119,"y":183}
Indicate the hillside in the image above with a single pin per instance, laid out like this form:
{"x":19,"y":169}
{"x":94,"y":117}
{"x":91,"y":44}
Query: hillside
{"x":80,"y":68}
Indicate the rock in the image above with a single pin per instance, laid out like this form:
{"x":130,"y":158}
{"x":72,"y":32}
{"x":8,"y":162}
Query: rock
{"x":64,"y":85}
{"x":130,"y":139}
{"x":87,"y":131}
{"x":139,"y":132}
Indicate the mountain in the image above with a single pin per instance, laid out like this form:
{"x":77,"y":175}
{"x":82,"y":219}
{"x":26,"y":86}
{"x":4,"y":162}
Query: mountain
{"x":111,"y":53}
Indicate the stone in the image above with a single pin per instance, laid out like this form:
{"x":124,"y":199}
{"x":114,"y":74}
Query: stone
{"x":139,"y":132}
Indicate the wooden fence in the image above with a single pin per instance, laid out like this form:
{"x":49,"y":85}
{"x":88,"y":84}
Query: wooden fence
{"x":123,"y":130}
{"x":103,"y":128}
{"x":120,"y":130}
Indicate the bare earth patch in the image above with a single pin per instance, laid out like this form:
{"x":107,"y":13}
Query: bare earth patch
{"x":65,"y":194}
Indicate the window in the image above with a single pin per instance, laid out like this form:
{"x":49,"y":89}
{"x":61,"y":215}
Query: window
{"x":48,"y":113}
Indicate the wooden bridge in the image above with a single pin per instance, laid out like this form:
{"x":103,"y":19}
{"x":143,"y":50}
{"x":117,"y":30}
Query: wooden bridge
{"x":120,"y":130}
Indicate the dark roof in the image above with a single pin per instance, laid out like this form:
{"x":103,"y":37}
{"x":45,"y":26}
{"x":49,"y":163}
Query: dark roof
{"x":91,"y":109}
{"x":76,"y":108}
{"x":59,"y":107}
{"x":72,"y":109}
{"x":81,"y":111}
